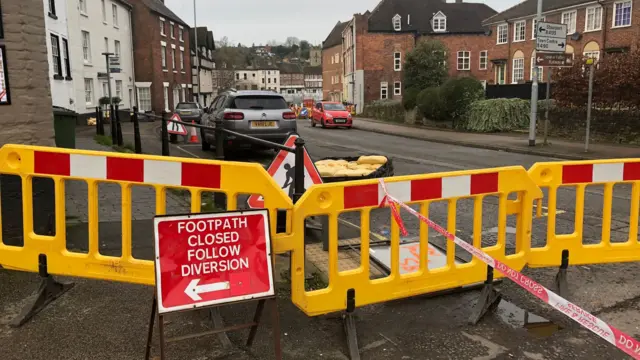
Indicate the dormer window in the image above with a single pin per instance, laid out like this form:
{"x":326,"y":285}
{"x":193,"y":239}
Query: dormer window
{"x":397,"y":22}
{"x":439,"y":22}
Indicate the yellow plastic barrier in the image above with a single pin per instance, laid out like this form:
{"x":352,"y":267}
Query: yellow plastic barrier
{"x":364,"y":196}
{"x":126,"y":170}
{"x":579,"y":174}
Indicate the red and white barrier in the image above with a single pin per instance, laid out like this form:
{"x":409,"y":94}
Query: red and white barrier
{"x":614,"y":336}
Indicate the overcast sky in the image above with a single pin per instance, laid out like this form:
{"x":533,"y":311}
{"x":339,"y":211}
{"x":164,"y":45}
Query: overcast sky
{"x":259,"y":21}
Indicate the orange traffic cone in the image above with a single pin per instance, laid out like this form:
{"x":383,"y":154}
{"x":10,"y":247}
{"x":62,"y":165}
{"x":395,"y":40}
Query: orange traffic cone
{"x":193,"y":139}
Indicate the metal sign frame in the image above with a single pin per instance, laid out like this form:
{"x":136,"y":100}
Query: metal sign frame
{"x":5,"y":74}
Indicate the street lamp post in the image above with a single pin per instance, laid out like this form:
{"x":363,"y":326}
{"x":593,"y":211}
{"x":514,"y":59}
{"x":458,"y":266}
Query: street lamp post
{"x":534,"y":90}
{"x":107,"y":55}
{"x":195,"y":24}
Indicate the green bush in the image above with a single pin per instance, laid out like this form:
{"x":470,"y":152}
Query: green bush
{"x":410,"y":97}
{"x":430,"y":104}
{"x":458,"y":94}
{"x":385,"y":110}
{"x":498,"y":115}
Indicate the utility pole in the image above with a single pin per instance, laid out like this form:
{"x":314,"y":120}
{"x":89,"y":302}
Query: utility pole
{"x":107,"y":55}
{"x":534,"y":89}
{"x":546,"y":109}
{"x":195,"y":24}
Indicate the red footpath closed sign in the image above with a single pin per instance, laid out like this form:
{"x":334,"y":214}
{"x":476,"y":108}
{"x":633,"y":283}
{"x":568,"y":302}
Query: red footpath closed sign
{"x":210,"y":259}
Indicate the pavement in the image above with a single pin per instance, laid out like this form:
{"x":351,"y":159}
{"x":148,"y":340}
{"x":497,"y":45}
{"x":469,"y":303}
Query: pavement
{"x":511,"y":142}
{"x":106,"y":320}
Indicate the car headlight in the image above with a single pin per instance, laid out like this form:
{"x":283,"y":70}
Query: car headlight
{"x":329,"y":116}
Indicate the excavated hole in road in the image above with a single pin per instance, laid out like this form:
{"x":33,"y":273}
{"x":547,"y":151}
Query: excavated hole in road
{"x":519,"y":318}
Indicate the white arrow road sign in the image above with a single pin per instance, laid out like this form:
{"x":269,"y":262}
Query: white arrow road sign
{"x":551,"y":44}
{"x":194,"y":290}
{"x":551,"y":30}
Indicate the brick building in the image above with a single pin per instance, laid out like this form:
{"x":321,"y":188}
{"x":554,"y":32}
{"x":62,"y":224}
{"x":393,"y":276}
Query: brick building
{"x":375,"y":44}
{"x":161,"y":54}
{"x":595,"y":28}
{"x":332,"y":64}
{"x":291,"y":78}
{"x":26,"y":108}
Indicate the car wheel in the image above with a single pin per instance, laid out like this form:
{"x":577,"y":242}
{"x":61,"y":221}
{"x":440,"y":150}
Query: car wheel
{"x":203,"y":140}
{"x":313,"y":123}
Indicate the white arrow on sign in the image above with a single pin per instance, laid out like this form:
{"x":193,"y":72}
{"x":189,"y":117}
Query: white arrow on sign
{"x":551,"y":44}
{"x":194,"y":290}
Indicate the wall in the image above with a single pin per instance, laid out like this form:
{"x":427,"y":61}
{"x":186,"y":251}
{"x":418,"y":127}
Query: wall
{"x":62,"y":89}
{"x":378,"y":62}
{"x":29,"y":118}
{"x":332,"y":71}
{"x":474,"y":44}
{"x":100,"y":28}
{"x":148,"y":59}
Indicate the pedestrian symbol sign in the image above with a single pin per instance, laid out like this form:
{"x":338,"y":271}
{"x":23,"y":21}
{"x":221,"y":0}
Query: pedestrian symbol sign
{"x":174,"y":127}
{"x":212,"y":259}
{"x":282,"y":169}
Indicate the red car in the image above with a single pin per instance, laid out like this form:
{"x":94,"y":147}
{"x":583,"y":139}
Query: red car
{"x":331,"y":114}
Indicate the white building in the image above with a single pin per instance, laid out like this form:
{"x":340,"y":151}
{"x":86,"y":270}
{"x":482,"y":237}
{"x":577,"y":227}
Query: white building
{"x":261,"y":78}
{"x":202,"y":91}
{"x":61,"y":66}
{"x":96,"y":27}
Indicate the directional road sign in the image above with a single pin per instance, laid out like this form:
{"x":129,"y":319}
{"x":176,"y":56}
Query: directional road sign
{"x":551,"y":37}
{"x":554,"y":59}
{"x":212,"y":259}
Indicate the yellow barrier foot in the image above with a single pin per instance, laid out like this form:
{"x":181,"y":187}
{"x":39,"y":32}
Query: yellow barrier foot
{"x":350,"y":326}
{"x":49,"y":290}
{"x":562,"y":286}
{"x":488,"y":300}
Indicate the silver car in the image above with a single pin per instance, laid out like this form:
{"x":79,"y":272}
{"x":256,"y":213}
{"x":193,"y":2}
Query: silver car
{"x":261,"y":114}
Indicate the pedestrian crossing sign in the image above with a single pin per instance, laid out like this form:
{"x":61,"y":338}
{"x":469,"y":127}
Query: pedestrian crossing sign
{"x":176,"y":128}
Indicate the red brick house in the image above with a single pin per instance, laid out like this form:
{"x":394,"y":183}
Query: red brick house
{"x":161,"y":56}
{"x":332,"y":64}
{"x":595,"y":28}
{"x":374,"y":45}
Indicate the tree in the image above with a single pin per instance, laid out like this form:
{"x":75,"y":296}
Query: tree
{"x":224,"y":42}
{"x":426,"y":66}
{"x":291,"y":40}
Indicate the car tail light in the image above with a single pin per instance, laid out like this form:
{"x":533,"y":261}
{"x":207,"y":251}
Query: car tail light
{"x":289,"y":116}
{"x":234,"y":116}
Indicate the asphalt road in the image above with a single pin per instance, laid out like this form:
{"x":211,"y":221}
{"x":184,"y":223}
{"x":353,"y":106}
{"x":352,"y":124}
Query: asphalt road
{"x":101,"y":320}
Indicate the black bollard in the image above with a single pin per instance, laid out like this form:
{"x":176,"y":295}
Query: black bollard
{"x":136,"y":131}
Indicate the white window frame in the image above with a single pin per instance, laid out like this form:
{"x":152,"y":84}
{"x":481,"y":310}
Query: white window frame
{"x":397,"y":61}
{"x":534,"y":24}
{"x":513,"y":70}
{"x":463,"y":55}
{"x":89,"y":95}
{"x":114,"y":10}
{"x":484,"y":55}
{"x":181,"y":33}
{"x":397,"y":88}
{"x":613,"y":18}
{"x":520,"y":25}
{"x":163,"y":55}
{"x":173,"y":58}
{"x":384,"y":89}
{"x":119,"y":88}
{"x":142,"y":100}
{"x":171,"y":29}
{"x":163,"y":24}
{"x":117,"y":48}
{"x":397,"y":22}
{"x":440,"y":20}
{"x":502,"y":29}
{"x":165,"y":93}
{"x":104,"y":11}
{"x":597,"y":27}
{"x":182,"y":59}
{"x":574,"y":14}
{"x":592,"y":54}
{"x":82,"y":6}
{"x":86,"y":46}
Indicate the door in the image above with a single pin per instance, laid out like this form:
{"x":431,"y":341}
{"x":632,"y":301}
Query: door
{"x":501,"y":74}
{"x":176,"y":97}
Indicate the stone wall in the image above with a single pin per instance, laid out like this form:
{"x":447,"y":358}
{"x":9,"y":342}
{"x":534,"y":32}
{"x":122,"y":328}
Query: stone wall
{"x":29,"y":118}
{"x":617,"y":127}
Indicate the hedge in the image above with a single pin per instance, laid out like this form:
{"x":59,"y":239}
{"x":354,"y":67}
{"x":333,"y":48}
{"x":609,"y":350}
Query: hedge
{"x":385,"y":110}
{"x":497,"y":115}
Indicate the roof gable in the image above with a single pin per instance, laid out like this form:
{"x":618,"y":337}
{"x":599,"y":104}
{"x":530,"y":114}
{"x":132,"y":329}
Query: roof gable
{"x":160,"y":8}
{"x":335,"y":36}
{"x":528,"y":8}
{"x":416,"y":16}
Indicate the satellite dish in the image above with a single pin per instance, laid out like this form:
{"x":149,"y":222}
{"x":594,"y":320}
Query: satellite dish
{"x":576,"y":36}
{"x":488,"y":32}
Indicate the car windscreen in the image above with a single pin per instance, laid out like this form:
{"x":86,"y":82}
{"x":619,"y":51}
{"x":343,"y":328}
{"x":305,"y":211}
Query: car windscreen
{"x":182,"y":106}
{"x":258,"y":102}
{"x":334,"y":107}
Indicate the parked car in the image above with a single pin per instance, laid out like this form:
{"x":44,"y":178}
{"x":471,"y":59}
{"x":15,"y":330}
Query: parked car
{"x":261,"y":114}
{"x":190,"y":111}
{"x":331,"y":114}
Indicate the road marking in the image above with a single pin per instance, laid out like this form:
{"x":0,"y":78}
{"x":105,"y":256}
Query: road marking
{"x":188,"y":152}
{"x":545,"y":211}
{"x":376,"y":235}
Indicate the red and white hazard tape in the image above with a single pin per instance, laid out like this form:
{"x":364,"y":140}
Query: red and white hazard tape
{"x":616,"y":337}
